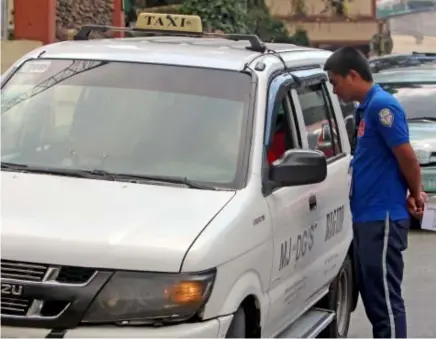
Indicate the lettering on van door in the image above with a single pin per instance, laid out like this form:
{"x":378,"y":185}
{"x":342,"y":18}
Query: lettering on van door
{"x":285,"y":253}
{"x":299,"y":248}
{"x":334,"y":223}
{"x":305,"y":242}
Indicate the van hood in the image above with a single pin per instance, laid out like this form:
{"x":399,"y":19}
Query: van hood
{"x":102,"y":224}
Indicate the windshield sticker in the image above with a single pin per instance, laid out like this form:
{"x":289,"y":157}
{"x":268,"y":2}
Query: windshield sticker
{"x":386,"y":117}
{"x":39,"y":66}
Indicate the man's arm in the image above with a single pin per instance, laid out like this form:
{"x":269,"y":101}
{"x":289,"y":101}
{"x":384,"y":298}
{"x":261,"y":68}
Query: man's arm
{"x":409,"y":166}
{"x":393,"y":127}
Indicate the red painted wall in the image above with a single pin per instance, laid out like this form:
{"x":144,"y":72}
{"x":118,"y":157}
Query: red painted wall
{"x":35,"y":20}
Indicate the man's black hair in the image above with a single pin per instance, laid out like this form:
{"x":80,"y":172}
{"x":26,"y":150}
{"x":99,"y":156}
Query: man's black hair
{"x":345,"y":59}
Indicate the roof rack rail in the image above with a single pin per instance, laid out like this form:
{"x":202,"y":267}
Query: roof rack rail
{"x":429,"y":54}
{"x":256,"y":44}
{"x":85,"y":31}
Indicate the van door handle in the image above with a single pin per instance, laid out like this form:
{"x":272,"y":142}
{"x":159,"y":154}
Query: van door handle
{"x":312,"y":202}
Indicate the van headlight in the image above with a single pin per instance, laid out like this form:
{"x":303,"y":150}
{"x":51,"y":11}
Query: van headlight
{"x":137,"y":297}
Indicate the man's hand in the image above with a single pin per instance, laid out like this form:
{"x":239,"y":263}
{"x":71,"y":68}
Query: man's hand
{"x":415,"y":206}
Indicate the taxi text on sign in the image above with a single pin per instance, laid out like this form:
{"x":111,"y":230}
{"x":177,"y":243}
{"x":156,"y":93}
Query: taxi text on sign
{"x":170,"y":22}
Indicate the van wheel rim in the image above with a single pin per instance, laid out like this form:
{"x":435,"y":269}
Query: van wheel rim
{"x":342,"y":303}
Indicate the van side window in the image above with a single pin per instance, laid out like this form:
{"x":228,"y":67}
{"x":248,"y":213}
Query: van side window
{"x":321,"y":125}
{"x":283,"y":136}
{"x":348,"y":110}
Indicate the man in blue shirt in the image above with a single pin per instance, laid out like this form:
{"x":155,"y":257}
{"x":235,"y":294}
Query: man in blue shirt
{"x":384,"y":168}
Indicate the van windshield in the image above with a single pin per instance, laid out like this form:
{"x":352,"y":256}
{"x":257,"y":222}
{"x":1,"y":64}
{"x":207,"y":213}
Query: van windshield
{"x":128,"y":118}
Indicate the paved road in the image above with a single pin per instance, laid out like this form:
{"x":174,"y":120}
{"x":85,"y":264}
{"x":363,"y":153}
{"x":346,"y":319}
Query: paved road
{"x":419,"y":290}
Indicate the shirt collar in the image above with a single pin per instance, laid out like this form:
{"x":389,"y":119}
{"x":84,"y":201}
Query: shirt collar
{"x":375,"y":88}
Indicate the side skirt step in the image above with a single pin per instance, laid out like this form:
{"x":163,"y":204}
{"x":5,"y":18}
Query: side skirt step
{"x":310,"y":324}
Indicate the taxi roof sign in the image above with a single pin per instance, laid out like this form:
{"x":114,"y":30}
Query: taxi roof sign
{"x":170,"y":22}
{"x":171,"y":25}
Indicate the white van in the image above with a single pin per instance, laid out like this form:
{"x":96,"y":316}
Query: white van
{"x":163,"y":186}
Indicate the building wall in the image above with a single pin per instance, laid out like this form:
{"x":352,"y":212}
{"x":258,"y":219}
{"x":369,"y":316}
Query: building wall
{"x":315,"y":8}
{"x":11,"y":13}
{"x":12,"y":50}
{"x":335,"y":32}
{"x":72,"y":14}
{"x":322,"y":23}
{"x":407,"y":44}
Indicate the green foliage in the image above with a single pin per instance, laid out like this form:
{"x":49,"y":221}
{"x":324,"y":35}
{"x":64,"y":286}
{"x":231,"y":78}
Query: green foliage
{"x":265,"y":26}
{"x":236,"y":16}
{"x":224,"y":15}
{"x":299,"y":7}
{"x":300,"y":37}
{"x":270,"y":29}
{"x":170,"y":9}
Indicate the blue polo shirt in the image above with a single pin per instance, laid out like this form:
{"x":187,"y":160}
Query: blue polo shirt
{"x":378,"y":186}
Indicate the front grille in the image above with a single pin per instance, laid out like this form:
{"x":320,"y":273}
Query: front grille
{"x":75,"y":275}
{"x":15,"y":306}
{"x":22,"y":270}
{"x":51,"y":308}
{"x":45,"y":294}
{"x":25,"y":271}
{"x":58,"y":300}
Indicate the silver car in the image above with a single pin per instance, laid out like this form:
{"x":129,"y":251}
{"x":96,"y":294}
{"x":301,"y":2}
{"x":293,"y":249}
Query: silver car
{"x":415,"y":89}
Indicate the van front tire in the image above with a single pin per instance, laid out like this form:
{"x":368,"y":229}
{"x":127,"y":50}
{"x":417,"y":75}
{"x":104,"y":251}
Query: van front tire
{"x":340,"y":300}
{"x":238,"y":325}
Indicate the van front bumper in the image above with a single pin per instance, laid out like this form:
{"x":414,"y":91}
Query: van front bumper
{"x":215,"y":328}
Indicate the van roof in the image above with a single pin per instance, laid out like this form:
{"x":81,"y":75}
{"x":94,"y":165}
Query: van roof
{"x":217,"y":53}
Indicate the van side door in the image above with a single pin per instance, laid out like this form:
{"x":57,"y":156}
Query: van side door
{"x":324,"y":130}
{"x":290,"y":209}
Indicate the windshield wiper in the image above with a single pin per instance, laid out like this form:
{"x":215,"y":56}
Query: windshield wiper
{"x":8,"y":165}
{"x":430,"y":119}
{"x":172,"y":180}
{"x":50,"y":170}
{"x":102,"y":174}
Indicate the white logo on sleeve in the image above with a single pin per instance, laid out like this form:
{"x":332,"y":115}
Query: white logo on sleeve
{"x":386,"y":117}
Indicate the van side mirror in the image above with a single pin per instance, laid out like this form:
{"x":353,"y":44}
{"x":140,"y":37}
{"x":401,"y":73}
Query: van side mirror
{"x":299,"y":167}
